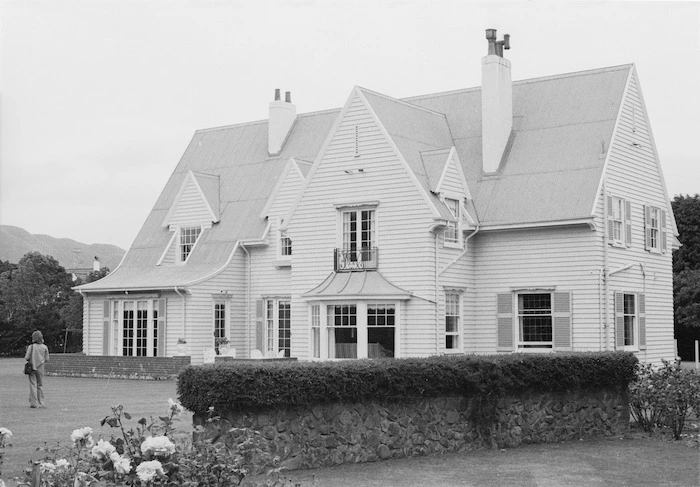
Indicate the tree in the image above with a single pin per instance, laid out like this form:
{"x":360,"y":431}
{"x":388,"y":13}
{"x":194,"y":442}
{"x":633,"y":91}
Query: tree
{"x":686,"y":274}
{"x":31,"y":296}
{"x":72,"y":313}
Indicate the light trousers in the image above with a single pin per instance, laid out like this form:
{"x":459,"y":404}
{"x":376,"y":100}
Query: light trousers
{"x":36,"y":383}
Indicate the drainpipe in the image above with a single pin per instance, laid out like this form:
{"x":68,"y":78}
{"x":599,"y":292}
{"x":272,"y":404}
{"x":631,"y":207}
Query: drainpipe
{"x":247,"y":299}
{"x":184,"y":310}
{"x":437,"y":310}
{"x":86,"y":339}
{"x":606,"y":272}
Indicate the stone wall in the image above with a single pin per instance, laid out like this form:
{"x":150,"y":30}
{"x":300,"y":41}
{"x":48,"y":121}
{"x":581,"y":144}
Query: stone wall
{"x":80,"y":365}
{"x":298,"y":437}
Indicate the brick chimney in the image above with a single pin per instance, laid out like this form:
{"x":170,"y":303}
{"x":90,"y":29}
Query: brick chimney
{"x":496,"y":102}
{"x":282,"y":117}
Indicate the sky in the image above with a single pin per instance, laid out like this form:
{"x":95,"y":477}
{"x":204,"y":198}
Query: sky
{"x":99,"y":98}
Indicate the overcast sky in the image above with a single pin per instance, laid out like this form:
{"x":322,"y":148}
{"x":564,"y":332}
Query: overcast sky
{"x":99,"y":99}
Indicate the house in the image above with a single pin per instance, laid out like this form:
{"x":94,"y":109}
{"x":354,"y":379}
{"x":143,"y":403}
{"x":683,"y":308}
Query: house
{"x":527,"y":216}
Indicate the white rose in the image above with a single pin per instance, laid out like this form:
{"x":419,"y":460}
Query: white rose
{"x":148,"y":470}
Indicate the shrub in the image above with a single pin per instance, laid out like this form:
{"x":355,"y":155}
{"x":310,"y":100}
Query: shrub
{"x":255,"y":385}
{"x":664,"y":396}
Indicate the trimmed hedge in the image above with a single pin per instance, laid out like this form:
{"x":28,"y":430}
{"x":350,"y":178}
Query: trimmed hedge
{"x":259,"y":385}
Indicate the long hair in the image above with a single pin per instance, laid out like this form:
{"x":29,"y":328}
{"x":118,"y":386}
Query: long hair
{"x":37,"y":337}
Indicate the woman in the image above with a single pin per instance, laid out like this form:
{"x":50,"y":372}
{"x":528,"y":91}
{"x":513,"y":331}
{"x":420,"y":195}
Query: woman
{"x":37,"y":354}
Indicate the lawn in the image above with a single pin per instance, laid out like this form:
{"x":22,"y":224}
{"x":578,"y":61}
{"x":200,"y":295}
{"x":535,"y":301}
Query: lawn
{"x":73,"y":403}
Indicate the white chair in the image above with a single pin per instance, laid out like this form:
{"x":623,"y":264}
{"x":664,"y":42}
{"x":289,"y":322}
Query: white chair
{"x":280,"y":354}
{"x":231,"y":352}
{"x":209,"y":354}
{"x":256,"y":354}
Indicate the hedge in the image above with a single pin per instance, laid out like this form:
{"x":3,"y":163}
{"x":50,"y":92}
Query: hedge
{"x":259,"y":385}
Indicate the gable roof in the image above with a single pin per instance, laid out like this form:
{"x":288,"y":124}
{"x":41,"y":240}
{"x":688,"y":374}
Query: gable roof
{"x":550,"y":175}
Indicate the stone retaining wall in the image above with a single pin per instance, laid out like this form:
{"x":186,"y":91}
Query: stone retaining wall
{"x":354,"y":433}
{"x":80,"y":365}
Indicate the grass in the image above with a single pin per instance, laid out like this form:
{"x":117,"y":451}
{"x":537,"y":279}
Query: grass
{"x":73,"y":403}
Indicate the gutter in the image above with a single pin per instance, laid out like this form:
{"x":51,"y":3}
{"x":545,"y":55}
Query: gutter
{"x":248,"y":331}
{"x":184,"y":311}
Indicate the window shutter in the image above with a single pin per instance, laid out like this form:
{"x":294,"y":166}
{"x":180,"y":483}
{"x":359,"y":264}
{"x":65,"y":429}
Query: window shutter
{"x":561,"y":308}
{"x":611,"y":235}
{"x":642,"y":322}
{"x":504,"y":309}
{"x":161,"y":328}
{"x":628,"y":223}
{"x":662,"y":233}
{"x":259,"y":328}
{"x":619,"y":321}
{"x":106,"y":318}
{"x":647,"y":227}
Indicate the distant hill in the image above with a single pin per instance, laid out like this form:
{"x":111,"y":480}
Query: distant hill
{"x":15,"y":242}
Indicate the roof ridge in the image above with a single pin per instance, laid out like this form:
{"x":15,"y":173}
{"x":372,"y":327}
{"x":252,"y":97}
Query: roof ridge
{"x":525,"y":81}
{"x":403,"y":102}
{"x":263,"y":121}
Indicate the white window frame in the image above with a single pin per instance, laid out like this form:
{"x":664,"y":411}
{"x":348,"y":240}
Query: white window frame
{"x":361,"y":326}
{"x":521,"y":344}
{"x":118,"y":326}
{"x":217,"y":302}
{"x":181,"y":245}
{"x":653,"y":227}
{"x":452,"y":235}
{"x":453,"y":302}
{"x":618,"y":220}
{"x":631,"y":316}
{"x":273,"y":342}
{"x":344,"y":230}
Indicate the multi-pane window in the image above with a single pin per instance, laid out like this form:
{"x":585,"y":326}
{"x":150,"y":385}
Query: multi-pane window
{"x":219,"y":323}
{"x":452,"y":316}
{"x":278,"y":327}
{"x":316,"y":331}
{"x":535,"y":320}
{"x":188,"y":237}
{"x":285,"y":244}
{"x":128,"y":329}
{"x":138,"y":322}
{"x":617,"y":219}
{"x":141,"y":328}
{"x":452,"y":230}
{"x":342,"y":330}
{"x":154,"y":344}
{"x":358,"y":234}
{"x":381,"y":330}
{"x":654,"y":226}
{"x":629,"y":318}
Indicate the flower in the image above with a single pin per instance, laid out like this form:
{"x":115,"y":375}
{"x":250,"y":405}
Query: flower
{"x":159,"y":446}
{"x":147,"y":470}
{"x":174,"y":406}
{"x":121,"y":464}
{"x":62,"y":463}
{"x":82,"y":437}
{"x":48,"y":467}
{"x":102,"y":450}
{"x":5,"y":433}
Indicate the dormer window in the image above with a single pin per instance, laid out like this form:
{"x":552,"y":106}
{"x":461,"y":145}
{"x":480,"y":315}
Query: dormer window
{"x":188,"y":238}
{"x":285,"y":244}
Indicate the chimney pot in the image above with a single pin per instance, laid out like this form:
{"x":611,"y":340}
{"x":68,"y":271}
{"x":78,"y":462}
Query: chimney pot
{"x":277,"y":94}
{"x":288,"y":96}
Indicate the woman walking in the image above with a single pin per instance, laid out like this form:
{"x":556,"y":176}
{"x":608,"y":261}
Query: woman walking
{"x":37,"y":354}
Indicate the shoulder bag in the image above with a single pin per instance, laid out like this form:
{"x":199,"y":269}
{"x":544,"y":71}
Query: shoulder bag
{"x":28,"y":369}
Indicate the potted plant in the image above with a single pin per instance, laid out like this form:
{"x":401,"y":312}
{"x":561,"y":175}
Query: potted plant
{"x":222,"y":345}
{"x":181,"y":346}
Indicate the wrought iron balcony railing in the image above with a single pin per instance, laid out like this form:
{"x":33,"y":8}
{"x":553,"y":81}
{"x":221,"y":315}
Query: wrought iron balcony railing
{"x":355,"y":260}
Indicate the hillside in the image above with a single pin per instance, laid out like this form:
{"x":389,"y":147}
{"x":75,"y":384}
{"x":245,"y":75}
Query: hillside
{"x":15,"y":242}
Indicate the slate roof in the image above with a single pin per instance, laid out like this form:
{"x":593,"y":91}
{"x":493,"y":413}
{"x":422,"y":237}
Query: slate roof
{"x":551,"y":173}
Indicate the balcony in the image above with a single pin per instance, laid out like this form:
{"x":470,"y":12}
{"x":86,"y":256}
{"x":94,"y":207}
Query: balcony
{"x":355,"y":260}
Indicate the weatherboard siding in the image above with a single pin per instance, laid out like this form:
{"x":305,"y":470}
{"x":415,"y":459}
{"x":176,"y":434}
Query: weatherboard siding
{"x":633,"y":174}
{"x":566,"y":259}
{"x":191,"y":208}
{"x":451,"y":184}
{"x":406,"y":246}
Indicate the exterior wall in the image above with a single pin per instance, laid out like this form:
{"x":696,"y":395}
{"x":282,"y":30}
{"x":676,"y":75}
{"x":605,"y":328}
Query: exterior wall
{"x":568,"y":259}
{"x":406,"y":246}
{"x":451,"y":181}
{"x":632,"y":173}
{"x":333,"y":434}
{"x":190,"y":207}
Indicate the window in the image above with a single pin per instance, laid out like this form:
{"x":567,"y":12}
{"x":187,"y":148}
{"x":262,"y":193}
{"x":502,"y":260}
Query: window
{"x":452,"y":316}
{"x":358,"y":234}
{"x":655,"y":229}
{"x":278,"y":328}
{"x":137,"y":325}
{"x":453,"y":227}
{"x":535,"y":320}
{"x":342,"y":330}
{"x":630,"y":321}
{"x":619,"y":221}
{"x":219,"y":323}
{"x":316,"y":331}
{"x":381,"y":323}
{"x":188,"y":238}
{"x":285,"y":245}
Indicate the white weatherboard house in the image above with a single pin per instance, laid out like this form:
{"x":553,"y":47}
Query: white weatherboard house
{"x":515,"y":217}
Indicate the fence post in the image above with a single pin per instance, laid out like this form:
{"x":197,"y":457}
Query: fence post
{"x":697,"y":352}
